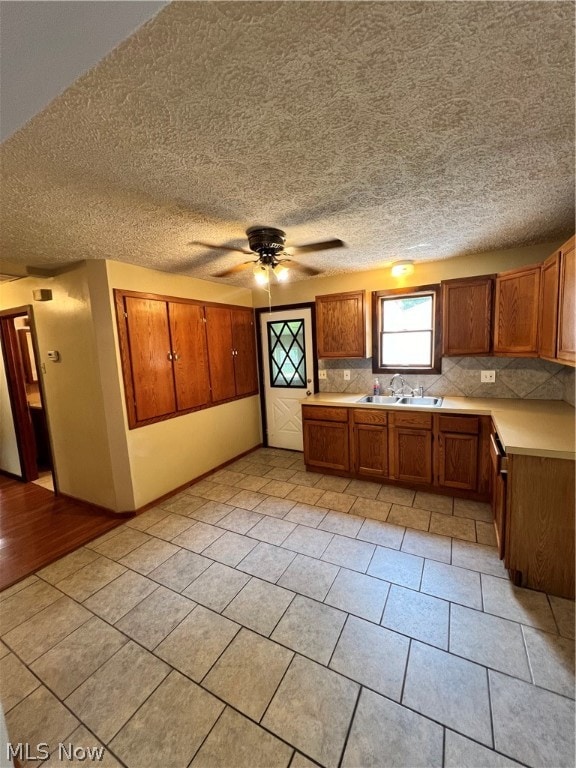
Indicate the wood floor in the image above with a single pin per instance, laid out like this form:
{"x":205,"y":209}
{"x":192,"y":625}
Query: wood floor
{"x":37,"y":527}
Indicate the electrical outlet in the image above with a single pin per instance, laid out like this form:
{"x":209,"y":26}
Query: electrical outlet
{"x":346,"y":375}
{"x":487,"y":377}
{"x":322,"y":374}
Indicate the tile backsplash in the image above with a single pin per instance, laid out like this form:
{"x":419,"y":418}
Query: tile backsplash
{"x":530,"y":378}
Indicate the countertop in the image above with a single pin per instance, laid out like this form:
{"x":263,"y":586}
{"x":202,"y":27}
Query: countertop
{"x":529,"y":427}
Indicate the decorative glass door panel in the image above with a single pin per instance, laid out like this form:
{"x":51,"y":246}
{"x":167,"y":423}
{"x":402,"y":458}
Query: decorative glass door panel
{"x":286,"y":353}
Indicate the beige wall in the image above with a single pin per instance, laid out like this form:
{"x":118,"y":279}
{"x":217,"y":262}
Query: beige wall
{"x":168,"y":454}
{"x":97,"y":458}
{"x":425,"y":272}
{"x":74,"y":399}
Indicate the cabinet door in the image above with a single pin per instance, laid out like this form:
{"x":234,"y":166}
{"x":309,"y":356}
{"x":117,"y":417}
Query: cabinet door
{"x":567,"y":310}
{"x":467,"y":316}
{"x":411,"y":454}
{"x":244,"y":344}
{"x":370,"y":446}
{"x":341,"y":324}
{"x":221,"y":360}
{"x":457,"y":460}
{"x":516,"y":312}
{"x":191,"y":374}
{"x":326,"y":445}
{"x":548,"y":311}
{"x":150,"y":358}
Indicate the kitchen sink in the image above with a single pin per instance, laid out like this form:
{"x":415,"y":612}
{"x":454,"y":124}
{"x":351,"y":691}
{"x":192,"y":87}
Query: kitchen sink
{"x":379,"y":399}
{"x":424,"y":402}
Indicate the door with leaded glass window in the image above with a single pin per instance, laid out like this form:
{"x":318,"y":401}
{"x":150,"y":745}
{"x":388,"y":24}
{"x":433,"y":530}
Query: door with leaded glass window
{"x":288,"y":368}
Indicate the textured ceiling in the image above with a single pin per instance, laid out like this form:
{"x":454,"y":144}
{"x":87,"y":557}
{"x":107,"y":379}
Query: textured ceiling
{"x":418,"y":130}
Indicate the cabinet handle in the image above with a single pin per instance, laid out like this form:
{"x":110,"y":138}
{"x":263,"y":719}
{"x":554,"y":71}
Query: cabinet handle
{"x":170,"y":357}
{"x":175,"y":356}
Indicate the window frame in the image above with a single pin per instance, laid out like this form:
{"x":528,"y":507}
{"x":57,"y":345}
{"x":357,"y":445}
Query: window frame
{"x":377,"y":314}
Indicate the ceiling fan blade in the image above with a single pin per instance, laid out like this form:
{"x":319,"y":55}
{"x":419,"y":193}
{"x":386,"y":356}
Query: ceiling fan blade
{"x":323,"y":246}
{"x":299,"y":267}
{"x":234,"y":270}
{"x":220,"y":247}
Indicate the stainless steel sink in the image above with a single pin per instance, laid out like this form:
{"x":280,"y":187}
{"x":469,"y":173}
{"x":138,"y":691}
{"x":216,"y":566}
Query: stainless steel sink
{"x":423,"y":402}
{"x":379,"y":399}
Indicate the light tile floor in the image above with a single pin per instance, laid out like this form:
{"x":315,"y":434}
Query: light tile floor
{"x":269,"y":617}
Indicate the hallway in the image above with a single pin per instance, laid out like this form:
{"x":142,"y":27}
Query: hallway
{"x":37,"y":527}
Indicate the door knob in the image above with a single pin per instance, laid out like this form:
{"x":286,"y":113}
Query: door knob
{"x":308,"y":393}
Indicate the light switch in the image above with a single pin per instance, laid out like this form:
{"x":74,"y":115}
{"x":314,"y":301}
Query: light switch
{"x":53,"y":355}
{"x":346,"y":375}
{"x":322,"y":374}
{"x":487,"y":377}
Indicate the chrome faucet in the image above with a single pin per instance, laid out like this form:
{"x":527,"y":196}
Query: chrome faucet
{"x":391,"y":385}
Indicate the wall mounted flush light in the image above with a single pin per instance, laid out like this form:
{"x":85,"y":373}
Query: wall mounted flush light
{"x":402,"y":268}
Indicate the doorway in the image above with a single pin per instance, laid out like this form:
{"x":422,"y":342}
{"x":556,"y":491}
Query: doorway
{"x":25,"y":451}
{"x":288,"y":371}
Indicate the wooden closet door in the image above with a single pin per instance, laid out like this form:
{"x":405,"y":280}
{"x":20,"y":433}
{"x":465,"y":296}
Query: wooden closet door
{"x":190,"y":350}
{"x":150,"y":357}
{"x":244,"y":342}
{"x":221,"y":361}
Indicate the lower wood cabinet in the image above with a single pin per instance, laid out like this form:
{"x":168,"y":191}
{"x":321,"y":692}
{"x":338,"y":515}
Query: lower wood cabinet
{"x":539,"y":523}
{"x":369,"y":443}
{"x":457,"y":439}
{"x":411,"y":447}
{"x":443,"y":452}
{"x":326,"y":444}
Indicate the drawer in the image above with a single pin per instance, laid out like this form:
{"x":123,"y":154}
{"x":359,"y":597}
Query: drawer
{"x":469,"y":425}
{"x":322,"y":413}
{"x":366,"y":416}
{"x":411,"y":419}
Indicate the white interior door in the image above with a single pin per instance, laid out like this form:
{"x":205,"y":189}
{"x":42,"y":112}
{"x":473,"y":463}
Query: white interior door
{"x":288,"y":367}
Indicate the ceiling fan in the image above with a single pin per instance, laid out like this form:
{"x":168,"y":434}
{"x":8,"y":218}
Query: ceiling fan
{"x":268,"y":244}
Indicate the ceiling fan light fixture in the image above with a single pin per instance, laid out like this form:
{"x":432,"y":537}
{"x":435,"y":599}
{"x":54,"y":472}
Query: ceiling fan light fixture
{"x":281,"y":273}
{"x":261,"y":275}
{"x":402,"y":268}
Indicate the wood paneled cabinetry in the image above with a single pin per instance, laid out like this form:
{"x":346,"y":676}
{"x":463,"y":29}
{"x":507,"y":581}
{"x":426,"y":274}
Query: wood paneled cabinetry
{"x":326,"y":438}
{"x":539,"y":524}
{"x":341,"y":325}
{"x":411,"y":447}
{"x":516,"y":312}
{"x":369,"y":442}
{"x":566,"y":344}
{"x":180,"y":355}
{"x":467,"y":316}
{"x":457,"y":451}
{"x":232,"y":345}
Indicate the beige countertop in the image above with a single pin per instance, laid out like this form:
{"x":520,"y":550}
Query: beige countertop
{"x":529,"y":427}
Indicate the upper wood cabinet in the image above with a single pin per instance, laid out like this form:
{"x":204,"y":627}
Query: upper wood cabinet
{"x":232,"y":344}
{"x":179,"y":355}
{"x":516,"y":312}
{"x":557,"y":317}
{"x":566,"y":348}
{"x":467,"y":316}
{"x":548,"y":311}
{"x":341,"y":324}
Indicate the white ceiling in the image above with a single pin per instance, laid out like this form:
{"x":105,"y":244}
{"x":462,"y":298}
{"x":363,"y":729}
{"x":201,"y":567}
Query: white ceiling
{"x":417,"y":130}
